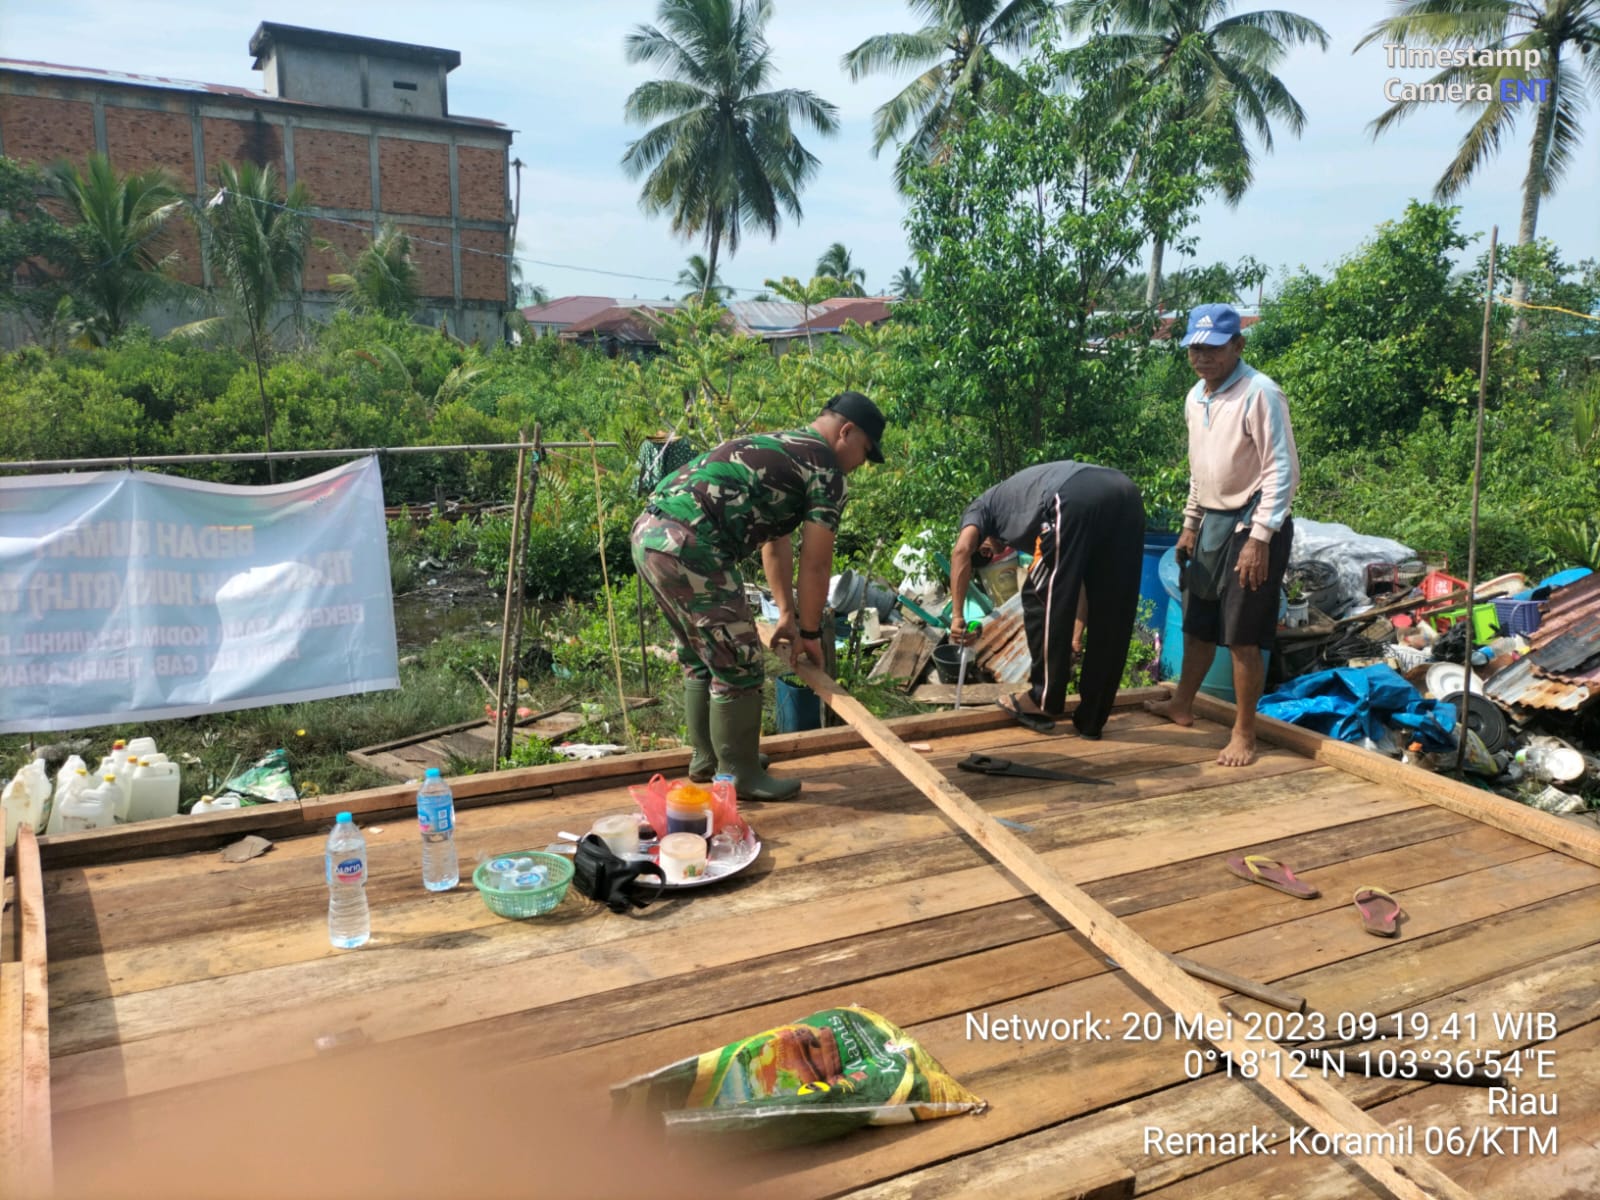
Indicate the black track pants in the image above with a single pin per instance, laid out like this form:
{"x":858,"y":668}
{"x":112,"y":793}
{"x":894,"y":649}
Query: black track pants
{"x":1093,"y":539}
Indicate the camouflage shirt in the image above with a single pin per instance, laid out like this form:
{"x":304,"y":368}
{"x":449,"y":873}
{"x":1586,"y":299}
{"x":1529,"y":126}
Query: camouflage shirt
{"x":753,"y":489}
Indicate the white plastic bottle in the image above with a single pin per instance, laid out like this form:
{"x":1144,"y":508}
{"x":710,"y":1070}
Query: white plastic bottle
{"x":211,"y":804}
{"x":24,"y":799}
{"x":92,"y":807}
{"x":154,"y":790}
{"x":117,"y":766}
{"x":68,"y":784}
{"x":436,"y":817}
{"x":349,"y":923}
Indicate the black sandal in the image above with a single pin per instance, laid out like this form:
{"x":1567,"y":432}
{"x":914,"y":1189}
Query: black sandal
{"x":1037,"y":722}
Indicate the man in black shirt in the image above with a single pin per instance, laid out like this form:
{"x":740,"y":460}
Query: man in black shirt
{"x":1084,"y":526}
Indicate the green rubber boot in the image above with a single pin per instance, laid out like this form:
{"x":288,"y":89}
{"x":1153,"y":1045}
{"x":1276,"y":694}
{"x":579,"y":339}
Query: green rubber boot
{"x":736,"y":733}
{"x":697,"y":717}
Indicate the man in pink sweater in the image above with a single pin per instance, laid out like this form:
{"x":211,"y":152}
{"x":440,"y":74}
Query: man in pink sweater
{"x":1237,"y":531}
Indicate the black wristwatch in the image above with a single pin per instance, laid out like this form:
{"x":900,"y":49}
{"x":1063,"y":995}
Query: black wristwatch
{"x":810,"y":635}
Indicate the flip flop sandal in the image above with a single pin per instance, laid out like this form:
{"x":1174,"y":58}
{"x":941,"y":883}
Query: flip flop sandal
{"x":1037,"y":722}
{"x":1380,"y":912}
{"x":1258,"y":868}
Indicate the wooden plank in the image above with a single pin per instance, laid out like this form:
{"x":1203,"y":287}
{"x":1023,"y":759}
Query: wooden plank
{"x":1567,"y":985}
{"x":137,"y":1043}
{"x":13,"y":1153}
{"x":1406,"y":1176}
{"x":972,"y":694}
{"x":34,"y":1059}
{"x":1545,"y":828}
{"x":1003,"y":1175}
{"x":907,"y":654}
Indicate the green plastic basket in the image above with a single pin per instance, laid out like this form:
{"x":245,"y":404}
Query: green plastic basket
{"x":530,"y":902}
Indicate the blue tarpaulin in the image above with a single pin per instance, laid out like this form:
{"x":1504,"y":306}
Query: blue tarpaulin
{"x":1352,"y":703}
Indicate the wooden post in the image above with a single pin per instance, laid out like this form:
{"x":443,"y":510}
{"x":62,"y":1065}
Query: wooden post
{"x":1315,"y":1101}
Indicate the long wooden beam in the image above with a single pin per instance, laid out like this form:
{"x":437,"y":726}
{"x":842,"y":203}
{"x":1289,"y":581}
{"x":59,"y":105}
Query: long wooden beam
{"x":1542,"y":828}
{"x":1318,"y":1103}
{"x":35,"y":1171}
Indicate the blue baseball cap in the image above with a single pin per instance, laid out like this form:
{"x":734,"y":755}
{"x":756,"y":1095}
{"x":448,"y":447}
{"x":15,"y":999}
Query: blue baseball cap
{"x":1212,"y":325}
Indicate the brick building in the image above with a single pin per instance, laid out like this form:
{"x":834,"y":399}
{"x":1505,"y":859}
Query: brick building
{"x":365,"y":124}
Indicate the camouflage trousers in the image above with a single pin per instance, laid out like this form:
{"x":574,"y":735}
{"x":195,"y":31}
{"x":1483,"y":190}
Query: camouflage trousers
{"x":702,"y":598}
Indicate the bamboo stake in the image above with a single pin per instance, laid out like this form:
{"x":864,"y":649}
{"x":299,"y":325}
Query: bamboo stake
{"x":535,"y":458}
{"x":501,"y":725}
{"x":1318,"y":1103}
{"x":1477,"y":479}
{"x":611,"y":612}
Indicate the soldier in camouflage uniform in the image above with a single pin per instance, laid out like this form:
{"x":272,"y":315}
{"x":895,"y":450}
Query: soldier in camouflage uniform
{"x":749,"y":493}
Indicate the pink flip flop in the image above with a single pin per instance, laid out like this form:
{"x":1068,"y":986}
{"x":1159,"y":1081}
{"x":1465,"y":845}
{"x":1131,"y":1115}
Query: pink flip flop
{"x":1258,"y":868}
{"x":1380,"y":912}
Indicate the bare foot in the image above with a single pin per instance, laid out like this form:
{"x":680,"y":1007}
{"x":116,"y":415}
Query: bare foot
{"x":1178,"y":714}
{"x":1239,"y":752}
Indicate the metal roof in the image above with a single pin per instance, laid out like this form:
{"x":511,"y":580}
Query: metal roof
{"x":564,"y":310}
{"x":1561,"y":671}
{"x":763,"y":316}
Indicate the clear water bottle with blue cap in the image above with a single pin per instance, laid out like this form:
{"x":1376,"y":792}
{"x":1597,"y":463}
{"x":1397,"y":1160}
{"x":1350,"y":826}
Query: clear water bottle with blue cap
{"x":436,"y":817}
{"x":349,"y":922}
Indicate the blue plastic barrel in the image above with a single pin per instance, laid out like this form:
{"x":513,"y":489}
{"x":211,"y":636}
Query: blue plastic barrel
{"x":795,"y":706}
{"x":1219,"y":679}
{"x":1150,"y":587}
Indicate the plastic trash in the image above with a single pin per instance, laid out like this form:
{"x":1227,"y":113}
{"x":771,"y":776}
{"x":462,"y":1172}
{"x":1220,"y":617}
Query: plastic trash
{"x":25,"y":798}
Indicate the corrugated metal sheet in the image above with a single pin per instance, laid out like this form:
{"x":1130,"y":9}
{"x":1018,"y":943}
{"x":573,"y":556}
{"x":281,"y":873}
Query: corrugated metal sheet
{"x":1519,"y":686}
{"x":1002,"y":647}
{"x":765,"y":316}
{"x":1561,"y":672}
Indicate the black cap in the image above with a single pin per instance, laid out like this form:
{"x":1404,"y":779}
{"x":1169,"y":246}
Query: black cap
{"x":856,"y":408}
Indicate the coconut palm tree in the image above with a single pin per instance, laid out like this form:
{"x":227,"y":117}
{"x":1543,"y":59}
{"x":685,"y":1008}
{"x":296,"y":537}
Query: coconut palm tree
{"x":1566,"y":33}
{"x":116,"y":225}
{"x":835,"y":263}
{"x":1222,"y":65}
{"x":906,"y":284}
{"x":382,"y":278}
{"x":724,"y":157}
{"x":255,"y":238}
{"x":956,"y":54}
{"x":695,"y":283}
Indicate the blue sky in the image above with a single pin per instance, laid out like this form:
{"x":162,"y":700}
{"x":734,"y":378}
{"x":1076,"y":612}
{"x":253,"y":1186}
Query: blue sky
{"x":555,"y":72}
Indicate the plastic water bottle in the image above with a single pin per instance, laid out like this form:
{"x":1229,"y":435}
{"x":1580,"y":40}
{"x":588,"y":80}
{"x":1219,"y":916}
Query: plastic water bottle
{"x":349,"y":923}
{"x":436,"y":817}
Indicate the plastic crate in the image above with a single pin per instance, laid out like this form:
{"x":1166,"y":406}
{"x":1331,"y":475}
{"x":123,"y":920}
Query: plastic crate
{"x":1436,"y":583}
{"x":1518,"y":617}
{"x":1485,"y":622}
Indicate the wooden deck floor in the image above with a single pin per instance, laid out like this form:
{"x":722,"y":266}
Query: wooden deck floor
{"x":188,"y":996}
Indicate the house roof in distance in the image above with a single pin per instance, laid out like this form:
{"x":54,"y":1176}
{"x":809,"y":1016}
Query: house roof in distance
{"x":564,"y":310}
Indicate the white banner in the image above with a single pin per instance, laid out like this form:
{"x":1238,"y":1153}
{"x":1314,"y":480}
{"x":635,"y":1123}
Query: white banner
{"x":133,"y":596}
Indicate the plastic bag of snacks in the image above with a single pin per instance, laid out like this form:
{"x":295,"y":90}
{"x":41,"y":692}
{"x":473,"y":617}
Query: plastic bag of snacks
{"x":823,"y":1076}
